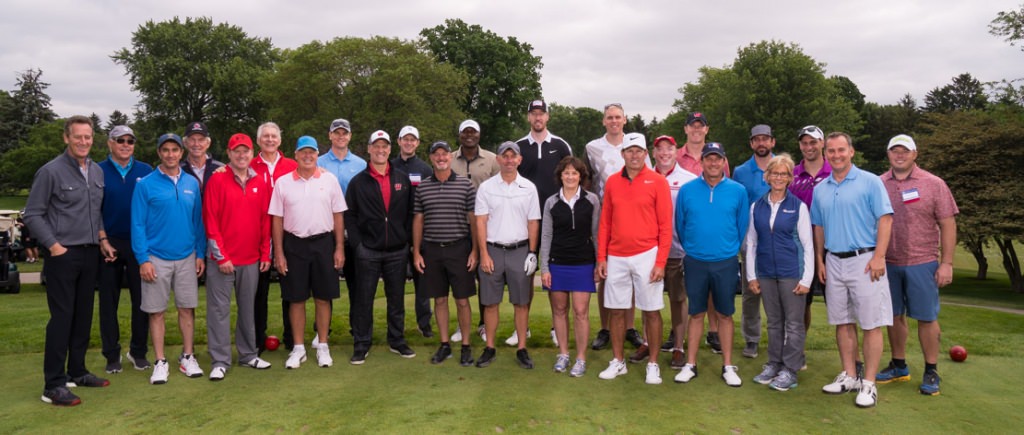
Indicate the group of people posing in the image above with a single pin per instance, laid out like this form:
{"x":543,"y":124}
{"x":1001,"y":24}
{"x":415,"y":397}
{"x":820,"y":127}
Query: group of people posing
{"x":474,"y":222}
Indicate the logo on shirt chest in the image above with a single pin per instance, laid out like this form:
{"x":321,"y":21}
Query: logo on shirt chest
{"x":398,"y":186}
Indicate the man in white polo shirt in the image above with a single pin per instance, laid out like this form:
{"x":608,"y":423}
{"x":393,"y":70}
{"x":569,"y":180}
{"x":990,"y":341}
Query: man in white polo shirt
{"x":308,"y":233}
{"x":508,"y":229}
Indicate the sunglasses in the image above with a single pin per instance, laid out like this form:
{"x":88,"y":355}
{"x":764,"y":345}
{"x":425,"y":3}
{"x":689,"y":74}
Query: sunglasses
{"x":123,"y":141}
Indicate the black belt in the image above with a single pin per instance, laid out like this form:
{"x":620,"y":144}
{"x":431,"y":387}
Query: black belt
{"x":447,"y":244}
{"x":510,"y":246}
{"x":313,"y":237}
{"x":853,"y":253}
{"x":83,"y":245}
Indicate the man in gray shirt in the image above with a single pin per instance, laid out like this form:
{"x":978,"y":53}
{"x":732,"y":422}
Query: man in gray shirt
{"x":63,"y":212}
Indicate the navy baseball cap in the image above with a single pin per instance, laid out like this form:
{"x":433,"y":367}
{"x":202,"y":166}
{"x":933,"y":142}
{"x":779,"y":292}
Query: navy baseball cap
{"x":196,"y":127}
{"x":169,"y":137}
{"x":696,"y":116}
{"x":712,"y":148}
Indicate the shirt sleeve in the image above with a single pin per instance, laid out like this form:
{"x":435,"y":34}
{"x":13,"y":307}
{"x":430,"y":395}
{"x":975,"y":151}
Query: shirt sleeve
{"x":803,"y":227}
{"x":140,"y":214}
{"x":197,"y":221}
{"x":211,"y":208}
{"x":604,"y":233}
{"x":664,"y":215}
{"x":276,"y":206}
{"x":595,"y":220}
{"x":36,"y":208}
{"x":742,"y":216}
{"x":751,"y":242}
{"x":481,"y":207}
{"x":546,"y":230}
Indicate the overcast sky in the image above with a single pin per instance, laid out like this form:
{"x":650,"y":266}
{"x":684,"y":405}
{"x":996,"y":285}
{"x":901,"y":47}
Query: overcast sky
{"x":594,"y":51}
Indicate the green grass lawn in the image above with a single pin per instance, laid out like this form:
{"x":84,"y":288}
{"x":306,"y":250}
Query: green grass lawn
{"x":392,"y":394}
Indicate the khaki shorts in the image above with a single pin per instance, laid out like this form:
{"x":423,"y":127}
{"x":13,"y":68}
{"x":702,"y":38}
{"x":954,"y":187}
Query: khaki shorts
{"x":675,"y":284}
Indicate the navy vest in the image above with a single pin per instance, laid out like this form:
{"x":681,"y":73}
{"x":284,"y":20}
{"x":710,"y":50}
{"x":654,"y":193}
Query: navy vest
{"x":779,"y":253}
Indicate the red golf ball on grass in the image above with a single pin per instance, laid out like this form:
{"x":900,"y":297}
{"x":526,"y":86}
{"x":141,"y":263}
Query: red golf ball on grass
{"x":272,"y":343}
{"x":957,"y":353}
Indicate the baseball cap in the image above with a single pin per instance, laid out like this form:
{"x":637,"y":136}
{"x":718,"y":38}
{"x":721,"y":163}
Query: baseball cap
{"x":761,"y":130}
{"x":634,"y":140}
{"x":306,"y":142}
{"x":811,"y":130}
{"x":537,"y":104}
{"x":439,"y":145}
{"x":121,"y":130}
{"x":408,"y":130}
{"x":380,"y":135}
{"x":469,"y":123}
{"x":169,"y":137}
{"x":903,"y":141}
{"x":340,"y":123}
{"x":712,"y":148}
{"x":196,"y":127}
{"x":696,"y":116}
{"x":670,"y":139}
{"x":508,"y":145}
{"x":239,"y":139}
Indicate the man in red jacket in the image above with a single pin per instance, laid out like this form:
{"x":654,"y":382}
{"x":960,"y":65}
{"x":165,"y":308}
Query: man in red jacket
{"x":238,"y":247}
{"x":270,"y":161}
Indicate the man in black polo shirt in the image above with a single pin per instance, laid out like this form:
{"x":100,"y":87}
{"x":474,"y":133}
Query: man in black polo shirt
{"x":541,"y":153}
{"x":443,"y":248}
{"x":418,"y":170}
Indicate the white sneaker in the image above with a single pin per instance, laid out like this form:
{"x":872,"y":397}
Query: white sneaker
{"x":514,"y":339}
{"x":842,"y":384}
{"x":732,"y":379}
{"x":615,"y":369}
{"x":482,"y":330}
{"x":189,"y":366}
{"x":296,"y":357}
{"x":217,"y":374}
{"x":554,"y":337}
{"x":160,"y":370}
{"x":258,"y":363}
{"x":688,"y":372}
{"x":457,"y":336}
{"x":868,"y":395}
{"x":323,"y":356}
{"x":316,"y":341}
{"x":653,"y":374}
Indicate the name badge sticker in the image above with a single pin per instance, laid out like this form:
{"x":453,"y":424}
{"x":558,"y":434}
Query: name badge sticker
{"x":910,"y":195}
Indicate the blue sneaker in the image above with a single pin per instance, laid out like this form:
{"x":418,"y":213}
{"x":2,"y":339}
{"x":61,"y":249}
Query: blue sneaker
{"x":893,"y":374}
{"x":930,"y":384}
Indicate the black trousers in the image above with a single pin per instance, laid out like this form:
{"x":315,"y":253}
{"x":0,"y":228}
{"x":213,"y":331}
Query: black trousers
{"x":421,"y":302}
{"x":373,"y":266}
{"x":112,"y":277}
{"x":70,"y":283}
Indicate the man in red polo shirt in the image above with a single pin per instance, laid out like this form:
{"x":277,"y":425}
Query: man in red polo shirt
{"x":238,"y":247}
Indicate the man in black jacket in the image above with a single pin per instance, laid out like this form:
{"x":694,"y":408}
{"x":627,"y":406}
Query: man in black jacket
{"x":198,"y":163}
{"x":379,"y":225}
{"x":407,"y":161}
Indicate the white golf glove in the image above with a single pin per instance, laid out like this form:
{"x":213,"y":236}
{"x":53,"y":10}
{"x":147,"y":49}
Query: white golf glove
{"x":531,"y":263}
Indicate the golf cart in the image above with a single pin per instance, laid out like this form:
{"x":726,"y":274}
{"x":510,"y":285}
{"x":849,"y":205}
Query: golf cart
{"x":10,"y":242}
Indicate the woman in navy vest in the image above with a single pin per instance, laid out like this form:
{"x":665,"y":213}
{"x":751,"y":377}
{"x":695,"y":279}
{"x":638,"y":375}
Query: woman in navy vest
{"x":779,"y":267}
{"x":568,"y":252}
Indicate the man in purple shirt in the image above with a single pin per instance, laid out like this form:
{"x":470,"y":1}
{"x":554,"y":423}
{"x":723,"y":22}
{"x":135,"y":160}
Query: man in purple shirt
{"x":812,"y":170}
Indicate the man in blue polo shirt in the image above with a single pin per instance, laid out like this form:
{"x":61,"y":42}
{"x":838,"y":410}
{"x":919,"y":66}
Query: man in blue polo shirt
{"x":751,"y":175}
{"x":852,"y":218}
{"x":343,"y":164}
{"x":121,"y":171}
{"x":711,"y":220}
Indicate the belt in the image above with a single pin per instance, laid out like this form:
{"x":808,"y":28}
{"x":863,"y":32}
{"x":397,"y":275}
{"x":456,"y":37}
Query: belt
{"x":853,"y":253}
{"x":510,"y":246}
{"x":447,"y":244}
{"x":313,"y":237}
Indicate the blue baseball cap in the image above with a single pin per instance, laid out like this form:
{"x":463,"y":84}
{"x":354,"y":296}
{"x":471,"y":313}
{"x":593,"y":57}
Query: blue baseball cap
{"x":169,"y":137}
{"x":306,"y":142}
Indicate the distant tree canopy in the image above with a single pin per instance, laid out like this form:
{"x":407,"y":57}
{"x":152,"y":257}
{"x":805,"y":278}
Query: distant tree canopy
{"x":195,"y":70}
{"x":378,"y":83}
{"x":26,"y":106}
{"x":772,"y":83}
{"x":964,"y":93}
{"x":577,"y":125}
{"x":504,"y":76}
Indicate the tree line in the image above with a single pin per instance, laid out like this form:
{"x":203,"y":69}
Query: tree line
{"x":969,"y":132}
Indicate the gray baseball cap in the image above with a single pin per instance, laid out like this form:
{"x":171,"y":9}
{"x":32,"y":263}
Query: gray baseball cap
{"x":340,"y":123}
{"x":508,"y":145}
{"x":121,"y":130}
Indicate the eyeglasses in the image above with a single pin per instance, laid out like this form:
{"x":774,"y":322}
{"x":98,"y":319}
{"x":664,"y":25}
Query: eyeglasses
{"x":779,"y":175}
{"x":123,"y":141}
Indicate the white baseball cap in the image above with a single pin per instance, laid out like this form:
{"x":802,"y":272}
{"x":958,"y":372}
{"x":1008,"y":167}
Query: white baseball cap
{"x":467,"y":124}
{"x":409,"y":130}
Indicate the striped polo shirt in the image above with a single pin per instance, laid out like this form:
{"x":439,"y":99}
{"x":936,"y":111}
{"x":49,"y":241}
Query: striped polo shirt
{"x":444,"y":206}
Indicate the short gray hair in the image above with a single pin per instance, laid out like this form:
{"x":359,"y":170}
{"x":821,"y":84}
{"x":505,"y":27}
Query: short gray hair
{"x":259,"y":130}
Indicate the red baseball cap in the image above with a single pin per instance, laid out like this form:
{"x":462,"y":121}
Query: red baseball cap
{"x":239,"y":139}
{"x":671,"y":139}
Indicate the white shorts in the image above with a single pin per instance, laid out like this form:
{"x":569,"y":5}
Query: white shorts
{"x":851,"y":296}
{"x":631,"y":276}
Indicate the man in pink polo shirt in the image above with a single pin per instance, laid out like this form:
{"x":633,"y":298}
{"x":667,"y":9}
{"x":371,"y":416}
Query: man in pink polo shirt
{"x":924,"y":216}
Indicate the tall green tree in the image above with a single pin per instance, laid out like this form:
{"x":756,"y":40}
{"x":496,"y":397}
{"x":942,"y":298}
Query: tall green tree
{"x":964,"y":93}
{"x":770,"y":82}
{"x":1009,"y":25}
{"x":116,"y":118}
{"x":882,"y":122}
{"x":577,"y":125}
{"x":504,"y":76}
{"x":27,"y":106}
{"x":197,"y":70}
{"x":966,"y":149}
{"x":377,"y":83}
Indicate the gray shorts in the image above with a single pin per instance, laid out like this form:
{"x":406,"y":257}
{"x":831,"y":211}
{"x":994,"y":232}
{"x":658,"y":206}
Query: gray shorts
{"x":852,"y":296}
{"x":508,"y":269}
{"x":178,"y":276}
